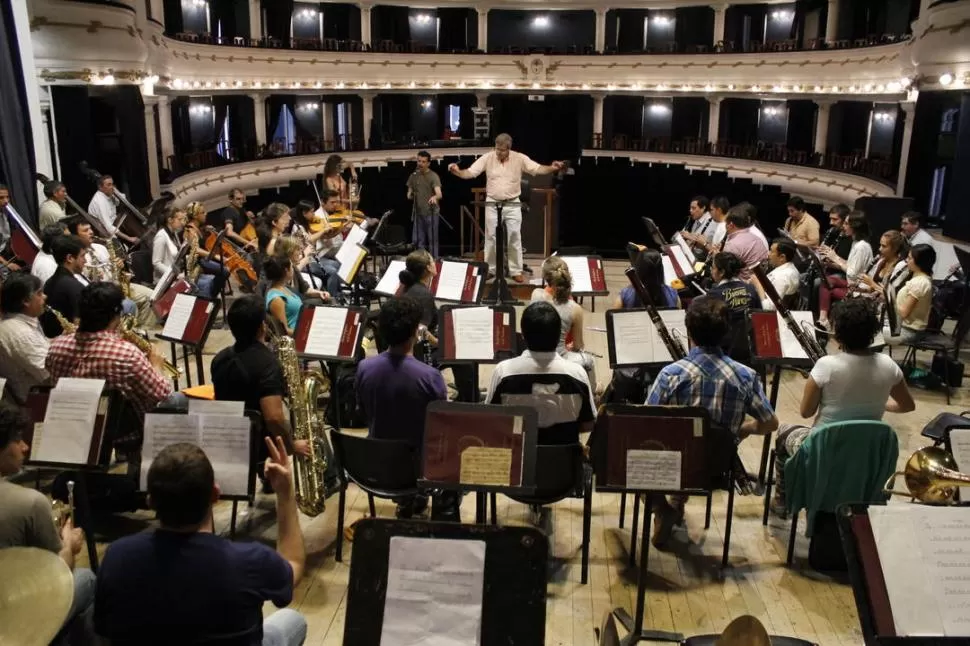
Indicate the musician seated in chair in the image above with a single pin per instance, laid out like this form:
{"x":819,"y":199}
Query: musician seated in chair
{"x":250,"y":372}
{"x":183,"y":584}
{"x":558,"y":293}
{"x":890,"y":267}
{"x":7,"y":259}
{"x":23,"y":345}
{"x":783,"y":275}
{"x":289,"y":248}
{"x":914,"y":302}
{"x":859,"y":259}
{"x":44,"y":264}
{"x":740,"y":297}
{"x":104,"y":206}
{"x":26,"y":521}
{"x":558,"y":389}
{"x":64,"y":287}
{"x":324,"y":266}
{"x":801,"y":225}
{"x":165,"y":250}
{"x":855,"y":384}
{"x":744,"y":239}
{"x":282,"y":302}
{"x":708,"y":378}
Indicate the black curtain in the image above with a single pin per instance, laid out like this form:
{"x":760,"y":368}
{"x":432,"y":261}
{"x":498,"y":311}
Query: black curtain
{"x":630,"y":30}
{"x":75,"y":138}
{"x":391,"y":23}
{"x":225,"y":11}
{"x":274,"y":106}
{"x":336,"y":21}
{"x":801,"y":125}
{"x":130,"y":112}
{"x":693,"y":27}
{"x":453,"y":35}
{"x":741,"y":121}
{"x":689,"y":115}
{"x":925,"y":150}
{"x":220,"y":106}
{"x":394,"y":116}
{"x":17,"y":165}
{"x":622,"y":115}
{"x":278,"y":13}
{"x":242,"y":126}
{"x":957,"y":223}
{"x":855,"y":126}
{"x":173,"y":16}
{"x":181,"y":125}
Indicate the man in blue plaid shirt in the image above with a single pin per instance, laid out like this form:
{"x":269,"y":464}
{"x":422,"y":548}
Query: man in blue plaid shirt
{"x":708,"y":378}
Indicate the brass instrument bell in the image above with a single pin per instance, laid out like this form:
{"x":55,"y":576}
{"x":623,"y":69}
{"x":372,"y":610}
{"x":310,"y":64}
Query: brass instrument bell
{"x":931,"y":476}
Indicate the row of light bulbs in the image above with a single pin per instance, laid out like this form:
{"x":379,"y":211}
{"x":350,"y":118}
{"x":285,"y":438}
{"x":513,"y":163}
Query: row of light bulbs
{"x":892,"y":87}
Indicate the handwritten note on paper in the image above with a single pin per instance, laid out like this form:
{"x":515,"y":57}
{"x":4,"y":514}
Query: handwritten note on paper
{"x":178,"y":316}
{"x":451,"y":280}
{"x":653,"y":470}
{"x":474,"y":334}
{"x":326,"y":328}
{"x":226,"y":440}
{"x":960,"y":446}
{"x":486,"y":465}
{"x":72,"y":410}
{"x":434,"y":592}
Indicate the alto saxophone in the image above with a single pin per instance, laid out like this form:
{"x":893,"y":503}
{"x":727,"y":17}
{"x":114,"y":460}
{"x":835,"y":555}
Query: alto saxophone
{"x":66,"y":326}
{"x":118,"y":274}
{"x":308,"y":424}
{"x":128,"y":333}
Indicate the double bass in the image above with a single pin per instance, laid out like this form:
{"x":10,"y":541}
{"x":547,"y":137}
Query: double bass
{"x":132,"y":221}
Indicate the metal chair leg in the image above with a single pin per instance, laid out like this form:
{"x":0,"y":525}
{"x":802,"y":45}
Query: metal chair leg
{"x":769,"y":481}
{"x":232,"y":520}
{"x":587,"y":518}
{"x":707,"y":513}
{"x":622,"y":509}
{"x":727,"y":526}
{"x":341,"y":503}
{"x":491,"y":500}
{"x":791,"y":539}
{"x":370,"y":503}
{"x":633,"y":528}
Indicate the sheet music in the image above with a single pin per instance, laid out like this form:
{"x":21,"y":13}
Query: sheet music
{"x":486,"y":465}
{"x":68,"y":429}
{"x":326,"y":330}
{"x":225,"y":440}
{"x":389,"y":282}
{"x":960,"y":447}
{"x":679,"y":240}
{"x":790,"y":347}
{"x":636,"y":339}
{"x":925,"y":557}
{"x":434,"y":592}
{"x":670,"y":274}
{"x":356,"y":236}
{"x":676,"y":323}
{"x":349,"y":257}
{"x":178,"y":316}
{"x":163,"y":283}
{"x":653,"y":470}
{"x":216,"y":407}
{"x":163,"y":430}
{"x":579,"y":269}
{"x":474,"y":333}
{"x":451,"y":280}
{"x":686,"y":262}
{"x":3,"y":385}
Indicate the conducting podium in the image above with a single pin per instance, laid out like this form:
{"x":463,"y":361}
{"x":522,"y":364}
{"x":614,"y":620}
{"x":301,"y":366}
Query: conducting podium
{"x":455,"y":281}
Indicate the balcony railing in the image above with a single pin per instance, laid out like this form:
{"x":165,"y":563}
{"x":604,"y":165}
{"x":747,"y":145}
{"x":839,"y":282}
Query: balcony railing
{"x":856,"y":163}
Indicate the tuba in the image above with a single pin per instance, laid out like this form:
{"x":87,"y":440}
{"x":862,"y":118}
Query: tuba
{"x":304,"y":387}
{"x":931,"y":477}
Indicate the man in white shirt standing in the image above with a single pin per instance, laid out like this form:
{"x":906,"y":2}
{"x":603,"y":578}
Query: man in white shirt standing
{"x":104,"y":206}
{"x":23,"y":345}
{"x":912,"y":229}
{"x":503,"y":169}
{"x":784,"y":275}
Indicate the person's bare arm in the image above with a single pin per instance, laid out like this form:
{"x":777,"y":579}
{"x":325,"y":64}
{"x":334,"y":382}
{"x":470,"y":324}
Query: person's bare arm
{"x":72,"y":540}
{"x":905,"y":306}
{"x":577,"y":330}
{"x":753,"y":426}
{"x":277,"y":425}
{"x":232,"y":235}
{"x":463,"y":173}
{"x":900,"y":399}
{"x":811,"y":397}
{"x":555,"y":167}
{"x":289,"y":542}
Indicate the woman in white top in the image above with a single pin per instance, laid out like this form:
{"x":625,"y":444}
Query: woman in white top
{"x":888,"y":269}
{"x":558,"y":292}
{"x":168,"y":240}
{"x":834,"y":392}
{"x":860,"y":257}
{"x":915,"y":300}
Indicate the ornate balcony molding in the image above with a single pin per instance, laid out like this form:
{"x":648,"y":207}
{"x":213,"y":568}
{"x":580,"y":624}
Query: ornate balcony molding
{"x":818,"y":184}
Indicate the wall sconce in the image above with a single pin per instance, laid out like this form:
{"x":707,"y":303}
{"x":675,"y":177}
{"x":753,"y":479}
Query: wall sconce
{"x":309,"y":106}
{"x":540,"y":22}
{"x":782,"y":15}
{"x":662,"y":21}
{"x":426,"y":104}
{"x":199,"y":108}
{"x":659,"y":108}
{"x":308,"y":14}
{"x":883,"y":116}
{"x":198,"y":4}
{"x":771,"y":110}
{"x":422,"y":19}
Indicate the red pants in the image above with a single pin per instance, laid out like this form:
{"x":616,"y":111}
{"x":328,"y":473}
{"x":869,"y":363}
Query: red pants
{"x":836,"y":292}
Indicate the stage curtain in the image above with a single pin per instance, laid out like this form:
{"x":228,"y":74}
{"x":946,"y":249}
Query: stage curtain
{"x":630,"y":30}
{"x":172,"y":11}
{"x":801,"y":125}
{"x":391,"y":23}
{"x":453,"y":34}
{"x":336,"y":21}
{"x":225,"y":11}
{"x":130,"y":111}
{"x":17,"y":166}
{"x":242,"y":127}
{"x":279,"y":13}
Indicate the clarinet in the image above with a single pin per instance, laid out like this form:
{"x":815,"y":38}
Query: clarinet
{"x":829,"y":239}
{"x":809,"y":345}
{"x":674,"y":346}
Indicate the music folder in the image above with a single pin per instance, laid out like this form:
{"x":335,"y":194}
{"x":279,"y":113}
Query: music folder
{"x":189,"y":318}
{"x":680,"y":262}
{"x":329,"y":332}
{"x":587,"y":274}
{"x":69,"y":423}
{"x":633,"y":339}
{"x":477,"y":334}
{"x":771,"y":338}
{"x":480,"y":446}
{"x":163,"y":305}
{"x":455,"y":280}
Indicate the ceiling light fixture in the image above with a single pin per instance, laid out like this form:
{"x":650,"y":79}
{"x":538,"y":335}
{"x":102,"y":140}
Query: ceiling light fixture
{"x":422,"y":19}
{"x":540,"y":22}
{"x":946,"y":79}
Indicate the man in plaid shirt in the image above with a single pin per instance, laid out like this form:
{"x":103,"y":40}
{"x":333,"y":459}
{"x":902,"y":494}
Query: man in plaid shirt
{"x":710,"y":379}
{"x":97,"y":351}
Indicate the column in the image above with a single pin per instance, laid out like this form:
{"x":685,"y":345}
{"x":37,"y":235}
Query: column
{"x":151,"y":146}
{"x":908,"y":109}
{"x":255,"y":20}
{"x":167,"y":144}
{"x":598,"y":100}
{"x":157,"y":8}
{"x":259,"y":117}
{"x":832,"y":22}
{"x":600,"y":30}
{"x":368,"y":99}
{"x":713,"y":120}
{"x":824,"y":108}
{"x":482,"y":98}
{"x":719,"y":13}
{"x":482,"y":28}
{"x":365,"y":36}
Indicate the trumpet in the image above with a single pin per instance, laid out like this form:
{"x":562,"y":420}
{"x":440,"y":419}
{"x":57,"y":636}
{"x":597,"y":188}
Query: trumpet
{"x":128,"y":333}
{"x":931,"y":477}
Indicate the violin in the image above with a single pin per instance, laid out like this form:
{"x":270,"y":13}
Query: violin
{"x":336,"y":220}
{"x":231,"y":255}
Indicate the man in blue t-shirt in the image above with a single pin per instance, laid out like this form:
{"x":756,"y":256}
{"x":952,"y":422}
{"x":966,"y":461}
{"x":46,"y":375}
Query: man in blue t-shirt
{"x":183,"y":584}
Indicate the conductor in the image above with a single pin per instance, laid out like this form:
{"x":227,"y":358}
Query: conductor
{"x":503,"y":169}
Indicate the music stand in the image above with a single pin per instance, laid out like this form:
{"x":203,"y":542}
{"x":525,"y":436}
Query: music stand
{"x":655,"y":235}
{"x":514,"y":598}
{"x":193,"y":336}
{"x":593,"y":265}
{"x":499,"y":293}
{"x":503,"y":338}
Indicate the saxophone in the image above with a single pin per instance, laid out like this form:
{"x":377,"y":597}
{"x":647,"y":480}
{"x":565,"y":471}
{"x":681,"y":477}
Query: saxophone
{"x":118,"y":274}
{"x":193,"y":268}
{"x":128,"y":333}
{"x":308,"y":424}
{"x":66,"y":326}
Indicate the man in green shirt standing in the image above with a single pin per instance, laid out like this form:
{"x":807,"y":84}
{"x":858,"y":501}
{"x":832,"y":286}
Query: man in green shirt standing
{"x":424,"y":187}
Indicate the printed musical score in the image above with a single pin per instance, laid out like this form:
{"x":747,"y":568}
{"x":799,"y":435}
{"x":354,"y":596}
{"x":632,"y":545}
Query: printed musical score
{"x":474,"y":334}
{"x":483,"y":465}
{"x":653,"y":470}
{"x":69,"y":422}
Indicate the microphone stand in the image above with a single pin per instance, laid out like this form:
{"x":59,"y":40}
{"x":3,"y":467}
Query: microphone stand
{"x":499,"y":293}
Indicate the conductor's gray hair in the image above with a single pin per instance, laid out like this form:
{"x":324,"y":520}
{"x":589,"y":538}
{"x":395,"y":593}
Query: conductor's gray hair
{"x":503,"y":140}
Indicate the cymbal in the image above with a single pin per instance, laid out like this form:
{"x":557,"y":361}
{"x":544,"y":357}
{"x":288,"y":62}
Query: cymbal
{"x":36,"y":591}
{"x":744,"y":631}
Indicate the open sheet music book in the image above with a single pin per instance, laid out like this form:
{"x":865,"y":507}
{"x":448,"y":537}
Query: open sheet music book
{"x":773,"y":339}
{"x":634,"y":340}
{"x":350,"y":257}
{"x":476,"y":333}
{"x":226,"y":440}
{"x":163,"y":305}
{"x":681,"y":264}
{"x":328,"y":332}
{"x":73,"y":426}
{"x":188,"y":319}
{"x":456,"y":281}
{"x":681,"y":242}
{"x":587,"y":274}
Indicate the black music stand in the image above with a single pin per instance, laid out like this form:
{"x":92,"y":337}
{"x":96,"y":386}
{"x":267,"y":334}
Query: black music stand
{"x":672,"y":429}
{"x":503,"y":341}
{"x":514,"y":598}
{"x":655,"y":235}
{"x":499,"y":293}
{"x":198,"y":329}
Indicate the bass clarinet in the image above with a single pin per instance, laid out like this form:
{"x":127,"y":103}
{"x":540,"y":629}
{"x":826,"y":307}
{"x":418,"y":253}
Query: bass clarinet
{"x":809,"y":344}
{"x":674,"y":346}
